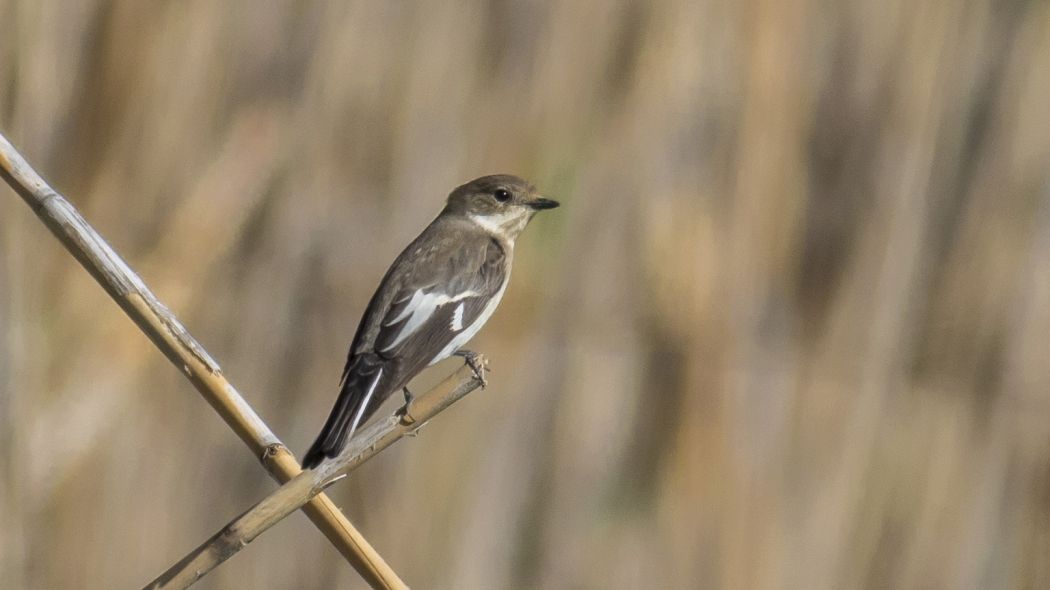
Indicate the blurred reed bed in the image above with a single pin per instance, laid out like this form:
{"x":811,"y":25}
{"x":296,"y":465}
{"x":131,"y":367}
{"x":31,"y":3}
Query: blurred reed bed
{"x":788,"y":331}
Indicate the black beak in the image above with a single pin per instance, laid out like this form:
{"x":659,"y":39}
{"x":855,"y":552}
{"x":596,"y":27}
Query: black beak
{"x":541,"y":203}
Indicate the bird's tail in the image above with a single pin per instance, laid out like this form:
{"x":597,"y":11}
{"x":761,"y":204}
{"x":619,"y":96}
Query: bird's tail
{"x":359,"y":397}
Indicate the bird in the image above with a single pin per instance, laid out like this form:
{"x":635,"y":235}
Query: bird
{"x":435,"y":297}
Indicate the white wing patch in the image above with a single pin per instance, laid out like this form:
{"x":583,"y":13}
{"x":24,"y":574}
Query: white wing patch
{"x":463,"y":337}
{"x":418,"y":311}
{"x":457,"y":319}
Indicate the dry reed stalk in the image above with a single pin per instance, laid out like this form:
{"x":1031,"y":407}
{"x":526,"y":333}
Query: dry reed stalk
{"x":172,"y":338}
{"x":369,"y":441}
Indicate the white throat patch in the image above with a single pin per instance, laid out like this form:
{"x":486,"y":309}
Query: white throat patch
{"x":506,"y":225}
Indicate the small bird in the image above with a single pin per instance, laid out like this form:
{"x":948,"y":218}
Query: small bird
{"x":435,"y":297}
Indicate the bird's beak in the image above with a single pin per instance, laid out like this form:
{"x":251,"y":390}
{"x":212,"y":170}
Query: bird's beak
{"x":541,"y":203}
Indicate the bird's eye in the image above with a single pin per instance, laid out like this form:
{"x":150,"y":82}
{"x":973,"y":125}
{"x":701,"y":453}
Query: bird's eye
{"x":502,"y":195}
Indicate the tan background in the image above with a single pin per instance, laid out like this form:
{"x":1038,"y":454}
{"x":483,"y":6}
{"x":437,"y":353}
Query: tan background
{"x":790,"y":329}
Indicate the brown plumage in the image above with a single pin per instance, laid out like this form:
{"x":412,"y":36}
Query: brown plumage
{"x":436,"y":295}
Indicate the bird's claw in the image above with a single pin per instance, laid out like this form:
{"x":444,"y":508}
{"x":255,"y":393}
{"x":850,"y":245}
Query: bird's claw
{"x":476,"y":364}
{"x":404,"y":412}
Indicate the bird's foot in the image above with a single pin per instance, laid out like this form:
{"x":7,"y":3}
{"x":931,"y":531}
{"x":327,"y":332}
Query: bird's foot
{"x":474,"y":361}
{"x":403,"y":413}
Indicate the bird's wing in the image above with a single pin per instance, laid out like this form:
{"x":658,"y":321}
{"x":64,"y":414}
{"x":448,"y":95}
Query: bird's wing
{"x":441,"y":301}
{"x":428,"y":304}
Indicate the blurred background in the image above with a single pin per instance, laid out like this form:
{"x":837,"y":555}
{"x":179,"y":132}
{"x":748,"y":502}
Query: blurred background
{"x":788,"y":330}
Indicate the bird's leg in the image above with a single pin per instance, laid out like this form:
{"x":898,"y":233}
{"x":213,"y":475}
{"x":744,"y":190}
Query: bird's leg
{"x":404,"y":416}
{"x":473,"y":361}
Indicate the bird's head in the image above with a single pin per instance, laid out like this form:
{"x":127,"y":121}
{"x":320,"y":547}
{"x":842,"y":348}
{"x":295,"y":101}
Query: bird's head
{"x":501,"y":204}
